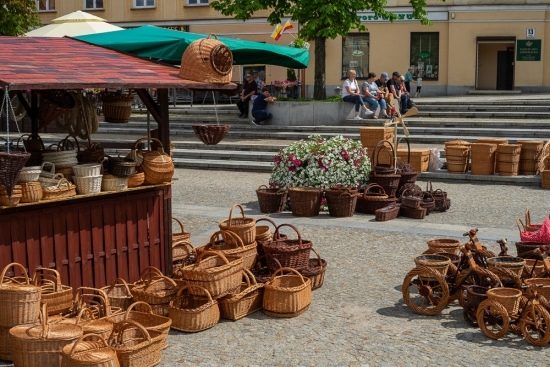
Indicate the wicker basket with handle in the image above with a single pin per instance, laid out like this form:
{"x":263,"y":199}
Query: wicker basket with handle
{"x":157,"y":292}
{"x":31,"y":192}
{"x":19,"y":301}
{"x":57,"y":296}
{"x":90,"y":350}
{"x":244,"y":227}
{"x":247,"y":300}
{"x":207,"y":60}
{"x":374,"y":197}
{"x":230,"y":244}
{"x":119,"y":294}
{"x":287,"y":294}
{"x":181,"y":235}
{"x":191,"y":313}
{"x":292,"y":253}
{"x":315,"y":271}
{"x":135,"y":346}
{"x":271,"y":200}
{"x":157,"y":166}
{"x":63,"y":189}
{"x":305,"y":201}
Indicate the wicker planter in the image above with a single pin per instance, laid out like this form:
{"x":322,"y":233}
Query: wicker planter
{"x":117,"y":108}
{"x":271,"y":200}
{"x":341,"y":202}
{"x":304,"y":201}
{"x":211,"y":134}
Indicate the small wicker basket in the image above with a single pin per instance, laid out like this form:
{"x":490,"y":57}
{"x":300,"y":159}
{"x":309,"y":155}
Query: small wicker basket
{"x":135,"y":346}
{"x":58,"y":297}
{"x":230,"y":244}
{"x":244,"y":227}
{"x":191,"y":313}
{"x":90,"y":350}
{"x":31,"y":192}
{"x":247,"y":300}
{"x":119,"y":294}
{"x":157,"y":292}
{"x":287,"y":295}
{"x":508,"y":297}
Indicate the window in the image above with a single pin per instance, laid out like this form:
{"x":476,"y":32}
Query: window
{"x":93,"y":4}
{"x":425,"y":55}
{"x":45,"y":5}
{"x":144,"y":3}
{"x":355,"y":54}
{"x":197,"y":2}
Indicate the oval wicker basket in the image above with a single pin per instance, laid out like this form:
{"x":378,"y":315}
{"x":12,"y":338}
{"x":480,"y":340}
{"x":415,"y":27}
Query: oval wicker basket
{"x":207,"y":60}
{"x":90,"y":350}
{"x":247,"y":300}
{"x":285,"y":252}
{"x":287,"y":295}
{"x":341,"y":202}
{"x":136,"y":180}
{"x":135,"y":346}
{"x":58,"y":297}
{"x":157,"y":292}
{"x":244,"y":227}
{"x":315,"y":271}
{"x":114,"y":183}
{"x":542,"y":285}
{"x":230,"y":244}
{"x":192,"y":312}
{"x":19,"y":302}
{"x":31,"y":192}
{"x":117,"y":108}
{"x":534,"y":268}
{"x":305,"y":201}
{"x":119,"y":294}
{"x":181,"y":235}
{"x":63,"y":189}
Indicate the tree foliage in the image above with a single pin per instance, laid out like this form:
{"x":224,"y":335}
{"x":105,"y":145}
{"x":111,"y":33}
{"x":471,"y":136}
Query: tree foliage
{"x":319,"y":19}
{"x":17,"y":17}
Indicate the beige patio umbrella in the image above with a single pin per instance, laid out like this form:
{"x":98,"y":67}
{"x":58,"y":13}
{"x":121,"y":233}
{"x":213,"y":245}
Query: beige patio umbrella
{"x":77,"y":23}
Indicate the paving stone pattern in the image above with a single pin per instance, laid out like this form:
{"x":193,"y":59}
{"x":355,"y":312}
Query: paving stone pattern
{"x":357,"y":318}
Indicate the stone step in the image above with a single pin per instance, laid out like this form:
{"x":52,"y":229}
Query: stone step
{"x":231,"y":165}
{"x":486,"y":114}
{"x":258,"y":155}
{"x":479,"y":108}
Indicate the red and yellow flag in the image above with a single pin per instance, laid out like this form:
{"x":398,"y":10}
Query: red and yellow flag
{"x":280,"y":29}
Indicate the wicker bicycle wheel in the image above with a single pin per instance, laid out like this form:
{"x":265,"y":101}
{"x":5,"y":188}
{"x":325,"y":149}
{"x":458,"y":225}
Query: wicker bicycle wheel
{"x":425,"y":291}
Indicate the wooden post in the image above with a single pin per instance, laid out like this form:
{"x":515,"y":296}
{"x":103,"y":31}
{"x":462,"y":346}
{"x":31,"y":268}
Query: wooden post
{"x":163,"y":123}
{"x":34,"y":113}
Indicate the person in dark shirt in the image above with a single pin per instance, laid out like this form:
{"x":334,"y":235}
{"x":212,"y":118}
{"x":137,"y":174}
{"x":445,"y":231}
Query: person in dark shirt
{"x":249,"y":89}
{"x":259,"y":107}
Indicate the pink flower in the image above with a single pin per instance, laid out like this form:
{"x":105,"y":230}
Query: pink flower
{"x":345,"y":155}
{"x":292,"y":168}
{"x":277,"y":160}
{"x":296,"y":162}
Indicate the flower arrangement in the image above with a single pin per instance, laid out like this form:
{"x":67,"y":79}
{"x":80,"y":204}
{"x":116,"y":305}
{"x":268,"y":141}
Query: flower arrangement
{"x":321,"y":162}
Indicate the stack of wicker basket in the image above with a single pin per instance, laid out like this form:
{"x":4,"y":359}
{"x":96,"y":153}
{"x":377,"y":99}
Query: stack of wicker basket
{"x":530,"y":155}
{"x":483,"y":158}
{"x":457,"y":153}
{"x":508,"y":158}
{"x":371,"y":136}
{"x":544,"y":166}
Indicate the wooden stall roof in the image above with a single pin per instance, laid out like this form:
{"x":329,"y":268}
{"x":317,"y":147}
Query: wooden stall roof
{"x":64,"y":63}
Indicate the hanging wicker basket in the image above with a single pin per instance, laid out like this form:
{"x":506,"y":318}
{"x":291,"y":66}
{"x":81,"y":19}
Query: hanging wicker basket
{"x":211,"y":134}
{"x":117,"y":108}
{"x":207,"y":60}
{"x":53,"y":104}
{"x":10,"y":166}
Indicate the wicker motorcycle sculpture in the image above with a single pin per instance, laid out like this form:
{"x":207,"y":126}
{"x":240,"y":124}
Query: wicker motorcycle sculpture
{"x":440,"y":278}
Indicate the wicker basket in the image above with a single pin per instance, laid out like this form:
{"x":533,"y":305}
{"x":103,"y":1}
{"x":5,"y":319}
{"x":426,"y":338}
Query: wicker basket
{"x":191,"y":313}
{"x":157,"y":166}
{"x":19,"y":302}
{"x":157,"y":292}
{"x":29,"y":174}
{"x":483,"y":158}
{"x":119,"y":294}
{"x":414,"y":213}
{"x":374,"y":197}
{"x":458,"y":157}
{"x":117,"y":108}
{"x":341,"y":202}
{"x":527,"y":250}
{"x":183,"y":254}
{"x":207,"y":60}
{"x":214,"y":271}
{"x":508,"y":297}
{"x":292,"y":253}
{"x":88,"y":184}
{"x":181,"y":235}
{"x":287,"y":295}
{"x":211,"y":134}
{"x":114,"y":183}
{"x":534,"y":268}
{"x":63,"y":189}
{"x":305,"y":201}
{"x":135,"y":346}
{"x":94,"y":153}
{"x":444,"y":245}
{"x":122,"y":167}
{"x":87,"y":169}
{"x":149,"y":320}
{"x":136,"y":180}
{"x":230,"y":244}
{"x":530,"y":154}
{"x":389,"y":212}
{"x":31,"y":192}
{"x":244,"y":227}
{"x":247,"y":300}
{"x":271,"y":200}
{"x":542,"y":284}
{"x":58,"y":297}
{"x":514,"y":264}
{"x":10,"y":166}
{"x":438,"y":263}
{"x":90,"y":350}
{"x":315,"y":271}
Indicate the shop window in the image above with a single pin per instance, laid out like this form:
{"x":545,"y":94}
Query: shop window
{"x":93,"y":4}
{"x":425,"y":55}
{"x":355,"y":54}
{"x":45,"y":5}
{"x":197,"y":2}
{"x":144,"y":3}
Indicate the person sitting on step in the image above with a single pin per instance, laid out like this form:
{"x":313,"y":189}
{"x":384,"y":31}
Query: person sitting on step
{"x":259,"y":107}
{"x":352,"y":94}
{"x":374,"y":96}
{"x":249,"y":89}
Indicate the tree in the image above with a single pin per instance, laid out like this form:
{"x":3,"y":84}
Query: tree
{"x":17,"y":17}
{"x":319,"y":20}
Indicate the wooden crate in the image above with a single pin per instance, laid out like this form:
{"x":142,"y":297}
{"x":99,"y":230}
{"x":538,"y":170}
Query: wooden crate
{"x":420,"y":158}
{"x":545,"y":179}
{"x":371,"y":135}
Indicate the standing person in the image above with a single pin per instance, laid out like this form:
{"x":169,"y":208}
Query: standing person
{"x":259,"y":107}
{"x":408,"y":79}
{"x":373,"y":96}
{"x":351,"y":93}
{"x":249,"y":89}
{"x":418,"y":86}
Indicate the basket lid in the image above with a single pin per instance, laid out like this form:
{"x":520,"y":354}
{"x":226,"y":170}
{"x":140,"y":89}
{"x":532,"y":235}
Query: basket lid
{"x":60,"y":331}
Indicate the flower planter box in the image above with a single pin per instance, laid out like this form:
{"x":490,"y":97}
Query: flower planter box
{"x":308,"y":113}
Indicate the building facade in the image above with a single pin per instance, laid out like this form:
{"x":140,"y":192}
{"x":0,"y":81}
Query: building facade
{"x":469,"y":45}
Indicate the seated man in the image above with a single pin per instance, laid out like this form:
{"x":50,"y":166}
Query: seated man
{"x":259,"y":107}
{"x":399,"y":92}
{"x":382,"y":84}
{"x":249,"y":89}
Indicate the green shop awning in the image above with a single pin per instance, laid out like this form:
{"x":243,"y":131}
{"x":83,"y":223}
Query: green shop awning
{"x":167,"y":45}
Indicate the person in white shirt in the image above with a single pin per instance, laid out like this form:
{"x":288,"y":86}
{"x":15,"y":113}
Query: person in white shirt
{"x":351,"y":93}
{"x":418,"y":86}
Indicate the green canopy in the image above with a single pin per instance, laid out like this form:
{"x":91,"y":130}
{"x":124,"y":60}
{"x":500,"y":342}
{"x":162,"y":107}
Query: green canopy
{"x":167,"y":45}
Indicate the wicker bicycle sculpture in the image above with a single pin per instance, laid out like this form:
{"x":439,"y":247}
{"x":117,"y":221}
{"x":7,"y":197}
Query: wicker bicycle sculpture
{"x":441,"y":277}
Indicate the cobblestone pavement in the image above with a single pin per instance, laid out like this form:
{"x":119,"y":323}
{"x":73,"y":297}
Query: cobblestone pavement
{"x":357,"y":318}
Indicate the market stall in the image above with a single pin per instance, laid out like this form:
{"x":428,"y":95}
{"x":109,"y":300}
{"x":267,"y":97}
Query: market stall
{"x":94,"y":238}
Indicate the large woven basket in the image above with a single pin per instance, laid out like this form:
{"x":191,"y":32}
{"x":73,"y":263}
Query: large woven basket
{"x":181,"y":235}
{"x":157,"y":292}
{"x":135,"y":346}
{"x":207,"y":60}
{"x":305,"y":201}
{"x":483,"y":158}
{"x":119,"y":294}
{"x":40,"y":345}
{"x":458,"y":157}
{"x":157,"y":166}
{"x":149,"y":320}
{"x":58,"y":297}
{"x":341,"y":202}
{"x":230,"y":244}
{"x":271,"y":200}
{"x":19,"y":302}
{"x":90,"y":350}
{"x":244,"y":227}
{"x":390,"y":182}
{"x":191,"y":313}
{"x":508,"y":297}
{"x":117,"y":108}
{"x":247,"y":300}
{"x":292,"y":253}
{"x":287,"y":295}
{"x":217,"y":273}
{"x":10,"y":165}
{"x":211,"y":134}
{"x":530,"y":154}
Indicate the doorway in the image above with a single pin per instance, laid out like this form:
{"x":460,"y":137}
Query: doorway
{"x":495,"y":63}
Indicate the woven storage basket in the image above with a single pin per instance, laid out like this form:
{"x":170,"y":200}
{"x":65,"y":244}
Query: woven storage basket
{"x":244,"y":227}
{"x":292,"y":253}
{"x":508,"y":297}
{"x":315,"y":271}
{"x":29,"y":174}
{"x":341,"y":202}
{"x":530,"y":154}
{"x":147,"y":319}
{"x":119,"y":294}
{"x":374,"y":197}
{"x":414,"y":213}
{"x":13,"y":199}
{"x":305,"y":201}
{"x":136,"y":180}
{"x":114,"y":183}
{"x":508,"y":157}
{"x":191,"y":313}
{"x":63,"y":189}
{"x":287,"y":295}
{"x":90,"y":350}
{"x":271,"y":200}
{"x":135,"y":346}
{"x":230,"y":244}
{"x":117,"y":108}
{"x":181,"y":235}
{"x":545,"y":179}
{"x":544,"y":283}
{"x":483,"y":158}
{"x":214,"y":271}
{"x":411,"y":199}
{"x":438,"y":263}
{"x":389,"y":212}
{"x":211,"y":134}
{"x":58,"y":297}
{"x":88,"y":185}
{"x":40,"y":345}
{"x":183,"y":254}
{"x":514,"y":264}
{"x":19,"y":302}
{"x":458,"y":157}
{"x":157,"y":166}
{"x":371,"y":136}
{"x":534,"y":268}
{"x":122,"y":167}
{"x":390,"y":182}
{"x":87,"y":320}
{"x":207,"y":60}
{"x":247,"y":300}
{"x":157,"y":292}
{"x":31,"y":192}
{"x":54,"y":103}
{"x":444,"y":245}
{"x":87,"y":169}
{"x":10,"y":166}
